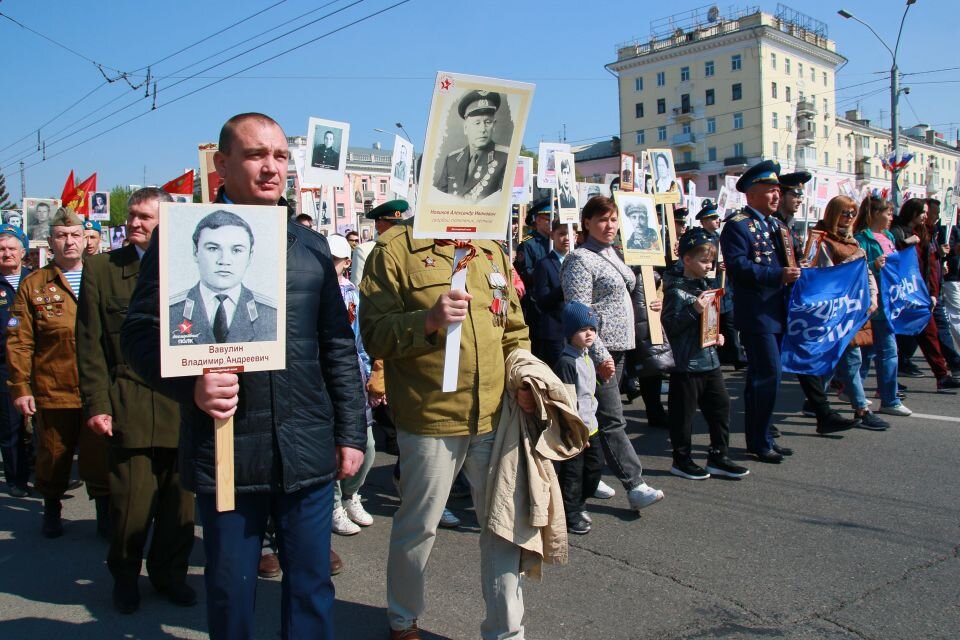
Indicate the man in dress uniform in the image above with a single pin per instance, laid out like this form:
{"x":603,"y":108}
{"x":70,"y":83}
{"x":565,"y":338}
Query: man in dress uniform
{"x":534,"y":248}
{"x":324,"y":155}
{"x":477,"y":170}
{"x":219,"y":308}
{"x":142,"y":427}
{"x":755,"y":261}
{"x":565,"y":194}
{"x":91,"y":237}
{"x":41,"y":349}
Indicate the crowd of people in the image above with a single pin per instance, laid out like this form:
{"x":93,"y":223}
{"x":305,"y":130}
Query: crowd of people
{"x":366,"y":323}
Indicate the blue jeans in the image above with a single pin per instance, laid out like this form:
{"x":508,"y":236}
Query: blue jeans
{"x":848,"y":371}
{"x":885,"y":351}
{"x":232,"y":541}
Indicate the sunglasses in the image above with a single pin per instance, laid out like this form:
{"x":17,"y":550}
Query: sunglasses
{"x":849,"y":214}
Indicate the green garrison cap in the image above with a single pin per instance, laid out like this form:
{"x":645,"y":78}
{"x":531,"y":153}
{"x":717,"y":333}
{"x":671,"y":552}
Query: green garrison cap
{"x":66,"y":218}
{"x":391,"y":211}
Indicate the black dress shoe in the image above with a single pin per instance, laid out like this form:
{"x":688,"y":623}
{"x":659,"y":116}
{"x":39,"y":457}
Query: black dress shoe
{"x":783,"y":451}
{"x":774,"y":432}
{"x":835,"y":423}
{"x":126,"y":596}
{"x":768,"y":455}
{"x":52,"y":524}
{"x":179,"y":593}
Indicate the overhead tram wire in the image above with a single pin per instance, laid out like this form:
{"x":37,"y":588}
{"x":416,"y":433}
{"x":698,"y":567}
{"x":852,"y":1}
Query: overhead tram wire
{"x":215,"y":82}
{"x":28,"y":153}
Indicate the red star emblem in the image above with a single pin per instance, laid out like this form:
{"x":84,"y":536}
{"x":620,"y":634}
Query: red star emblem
{"x":185,"y":326}
{"x":445,"y":84}
{"x":429,"y":262}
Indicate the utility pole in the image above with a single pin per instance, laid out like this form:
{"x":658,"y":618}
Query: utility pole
{"x":23,"y":183}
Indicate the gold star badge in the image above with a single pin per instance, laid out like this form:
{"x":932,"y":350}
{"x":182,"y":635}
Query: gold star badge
{"x":429,"y":262}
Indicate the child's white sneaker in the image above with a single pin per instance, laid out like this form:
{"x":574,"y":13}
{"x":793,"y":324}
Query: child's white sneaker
{"x":356,"y":512}
{"x":342,"y":524}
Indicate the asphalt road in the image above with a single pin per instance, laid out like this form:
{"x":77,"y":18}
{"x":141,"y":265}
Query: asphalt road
{"x":852,"y":537}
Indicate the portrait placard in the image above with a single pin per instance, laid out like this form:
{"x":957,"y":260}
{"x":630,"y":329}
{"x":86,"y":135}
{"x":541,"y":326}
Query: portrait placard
{"x":812,"y":248}
{"x":99,"y":206}
{"x":522,"y":192}
{"x":547,"y":164}
{"x":735,"y":199}
{"x":12,"y":216}
{"x":38,"y":214}
{"x":402,"y":161}
{"x":640,"y":229}
{"x":628,"y":171}
{"x":567,"y":207}
{"x":723,"y":202}
{"x":118,"y":236}
{"x":590,"y":189}
{"x":470,"y":157}
{"x":710,"y":318}
{"x":326,"y":157}
{"x":222,"y":288}
{"x":210,"y":180}
{"x":665,"y":184}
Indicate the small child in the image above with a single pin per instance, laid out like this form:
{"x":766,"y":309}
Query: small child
{"x":580,"y":475}
{"x":697,"y":379}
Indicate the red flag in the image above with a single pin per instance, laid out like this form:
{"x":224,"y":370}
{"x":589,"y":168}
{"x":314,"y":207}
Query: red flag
{"x":181,"y":186}
{"x":68,"y":188}
{"x":79,"y":200}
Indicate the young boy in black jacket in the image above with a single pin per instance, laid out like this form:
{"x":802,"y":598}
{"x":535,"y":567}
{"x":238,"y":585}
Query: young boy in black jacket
{"x":697,"y":379}
{"x":580,"y":476}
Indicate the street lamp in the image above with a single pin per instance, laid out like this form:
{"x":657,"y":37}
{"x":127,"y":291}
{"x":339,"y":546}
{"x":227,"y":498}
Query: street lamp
{"x":894,"y":97}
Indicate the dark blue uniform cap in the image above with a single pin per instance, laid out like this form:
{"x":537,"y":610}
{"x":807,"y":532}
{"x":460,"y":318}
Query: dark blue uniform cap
{"x":708,"y":210}
{"x":16,"y":232}
{"x":766,"y":172}
{"x":540,"y":207}
{"x":693,"y":237}
{"x":390,"y":211}
{"x":795,"y":179}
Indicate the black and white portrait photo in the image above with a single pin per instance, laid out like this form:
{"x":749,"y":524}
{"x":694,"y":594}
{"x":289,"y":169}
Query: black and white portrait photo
{"x":628,"y":163}
{"x":14,"y":217}
{"x":39,"y":214}
{"x":118,"y":236}
{"x":401,"y":162}
{"x":589,"y":190}
{"x":326,"y":152}
{"x":98,"y":202}
{"x":470,"y":155}
{"x":664,"y":177}
{"x":567,"y":188}
{"x":640,"y":229}
{"x":547,"y":177}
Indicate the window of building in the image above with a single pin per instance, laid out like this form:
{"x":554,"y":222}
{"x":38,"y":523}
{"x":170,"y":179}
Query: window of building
{"x":838,"y":167}
{"x":736,"y":62}
{"x":738,"y":149}
{"x":786,"y":93}
{"x":639,"y":109}
{"x":383,"y":187}
{"x":773,"y":89}
{"x":737,"y":121}
{"x":800,"y":70}
{"x":712,"y":180}
{"x":661,"y":78}
{"x":711,"y":125}
{"x":838,"y":139}
{"x":638,"y":84}
{"x":340,"y":211}
{"x":812,"y":128}
{"x":773,"y":60}
{"x":849,"y":166}
{"x":685,"y":128}
{"x":788,"y":122}
{"x":662,"y":105}
{"x":786,"y":65}
{"x":712,"y":154}
{"x":688,"y":156}
{"x":775,"y":121}
{"x":708,"y":68}
{"x":710,"y":97}
{"x":736,"y":91}
{"x":684,"y":74}
{"x":849,"y":142}
{"x":776,"y":149}
{"x":813,"y":74}
{"x":800,"y":95}
{"x":826,"y":159}
{"x":685,"y":103}
{"x":789,"y":151}
{"x":661,"y":134}
{"x":824,"y":78}
{"x":641,"y":137}
{"x":826,"y":108}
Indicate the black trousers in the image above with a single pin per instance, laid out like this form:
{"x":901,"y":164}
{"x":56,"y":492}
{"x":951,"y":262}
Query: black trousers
{"x":815,"y":393}
{"x":650,"y":392}
{"x":579,"y":476}
{"x":732,"y":351}
{"x":708,"y":392}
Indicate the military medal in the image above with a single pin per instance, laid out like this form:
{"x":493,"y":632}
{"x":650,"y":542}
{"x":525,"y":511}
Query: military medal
{"x":429,"y":262}
{"x":497,"y":281}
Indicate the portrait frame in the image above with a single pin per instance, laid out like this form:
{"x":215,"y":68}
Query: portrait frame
{"x":483,"y":211}
{"x":318,"y":168}
{"x":628,"y":172}
{"x":13,"y":214}
{"x":38,"y":231}
{"x":187,"y":346}
{"x":710,"y":318}
{"x":402,"y":152}
{"x":723,"y":200}
{"x":652,"y":256}
{"x":117,"y":239}
{"x":210,"y":180}
{"x":812,"y":247}
{"x":666,"y":186}
{"x":99,"y":215}
{"x":546,"y":163}
{"x":589,"y":190}
{"x":568,"y":214}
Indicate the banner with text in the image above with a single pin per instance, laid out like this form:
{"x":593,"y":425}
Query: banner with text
{"x":906,"y":300}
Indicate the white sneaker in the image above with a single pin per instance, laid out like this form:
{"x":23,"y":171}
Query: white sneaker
{"x":604,"y":491}
{"x":448,"y":520}
{"x":896,"y":410}
{"x":356,"y":512}
{"x":342,"y":524}
{"x":643,"y":495}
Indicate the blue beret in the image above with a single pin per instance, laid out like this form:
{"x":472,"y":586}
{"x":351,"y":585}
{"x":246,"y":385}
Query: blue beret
{"x":16,"y":232}
{"x":766,"y":172}
{"x":92,"y":225}
{"x":694,"y":237}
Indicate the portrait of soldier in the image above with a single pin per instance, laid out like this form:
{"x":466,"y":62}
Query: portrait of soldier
{"x":40,"y":217}
{"x":98,"y":203}
{"x":477,"y":170}
{"x":326,"y":155}
{"x":400,"y":169}
{"x":219,"y":308}
{"x":14,"y":218}
{"x":643,"y":238}
{"x":566,"y":195}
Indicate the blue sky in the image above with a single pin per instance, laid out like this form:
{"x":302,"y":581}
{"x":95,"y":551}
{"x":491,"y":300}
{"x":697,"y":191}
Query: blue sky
{"x":371,"y":74}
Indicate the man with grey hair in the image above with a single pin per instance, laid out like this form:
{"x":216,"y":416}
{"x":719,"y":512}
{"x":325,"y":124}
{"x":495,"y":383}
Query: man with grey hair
{"x":141,"y":426}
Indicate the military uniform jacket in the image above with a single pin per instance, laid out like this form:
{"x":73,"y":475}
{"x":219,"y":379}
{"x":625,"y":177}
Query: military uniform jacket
{"x":754,"y":258}
{"x":41,"y":349}
{"x":108,"y":385}
{"x":533,"y":249}
{"x":254,"y":320}
{"x":401,"y":282}
{"x":326,"y":157}
{"x":8,"y":296}
{"x":486,"y":179}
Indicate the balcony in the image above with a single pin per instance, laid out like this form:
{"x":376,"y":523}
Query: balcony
{"x":687,"y":167}
{"x":734,"y":161}
{"x":806,"y":137}
{"x":685,"y":114}
{"x":683,"y":140}
{"x":806,"y":108}
{"x":863,"y":170}
{"x":806,"y":158}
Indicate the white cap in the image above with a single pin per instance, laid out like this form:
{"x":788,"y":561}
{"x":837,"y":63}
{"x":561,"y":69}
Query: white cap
{"x":339,"y":247}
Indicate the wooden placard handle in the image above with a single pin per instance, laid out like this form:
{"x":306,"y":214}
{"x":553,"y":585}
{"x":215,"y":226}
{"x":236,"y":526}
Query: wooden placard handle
{"x":223,"y":442}
{"x":649,"y":293}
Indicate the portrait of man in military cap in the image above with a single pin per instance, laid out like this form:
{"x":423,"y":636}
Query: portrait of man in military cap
{"x":14,"y":217}
{"x":326,"y":152}
{"x":39,"y":212}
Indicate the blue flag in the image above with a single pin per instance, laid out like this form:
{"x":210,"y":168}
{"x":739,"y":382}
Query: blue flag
{"x":906,"y":299}
{"x":827,"y":308}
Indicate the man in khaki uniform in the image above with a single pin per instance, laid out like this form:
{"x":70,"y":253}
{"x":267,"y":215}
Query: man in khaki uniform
{"x":406,"y":305}
{"x":42,"y":354}
{"x":142,"y":427}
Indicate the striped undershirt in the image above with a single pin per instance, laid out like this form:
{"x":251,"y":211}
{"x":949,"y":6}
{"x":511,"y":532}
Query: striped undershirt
{"x":73,"y":277}
{"x":14,"y":280}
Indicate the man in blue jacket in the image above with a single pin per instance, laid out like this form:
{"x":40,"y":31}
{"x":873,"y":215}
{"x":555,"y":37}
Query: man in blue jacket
{"x":13,"y":443}
{"x":756,"y":263}
{"x":292,"y":438}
